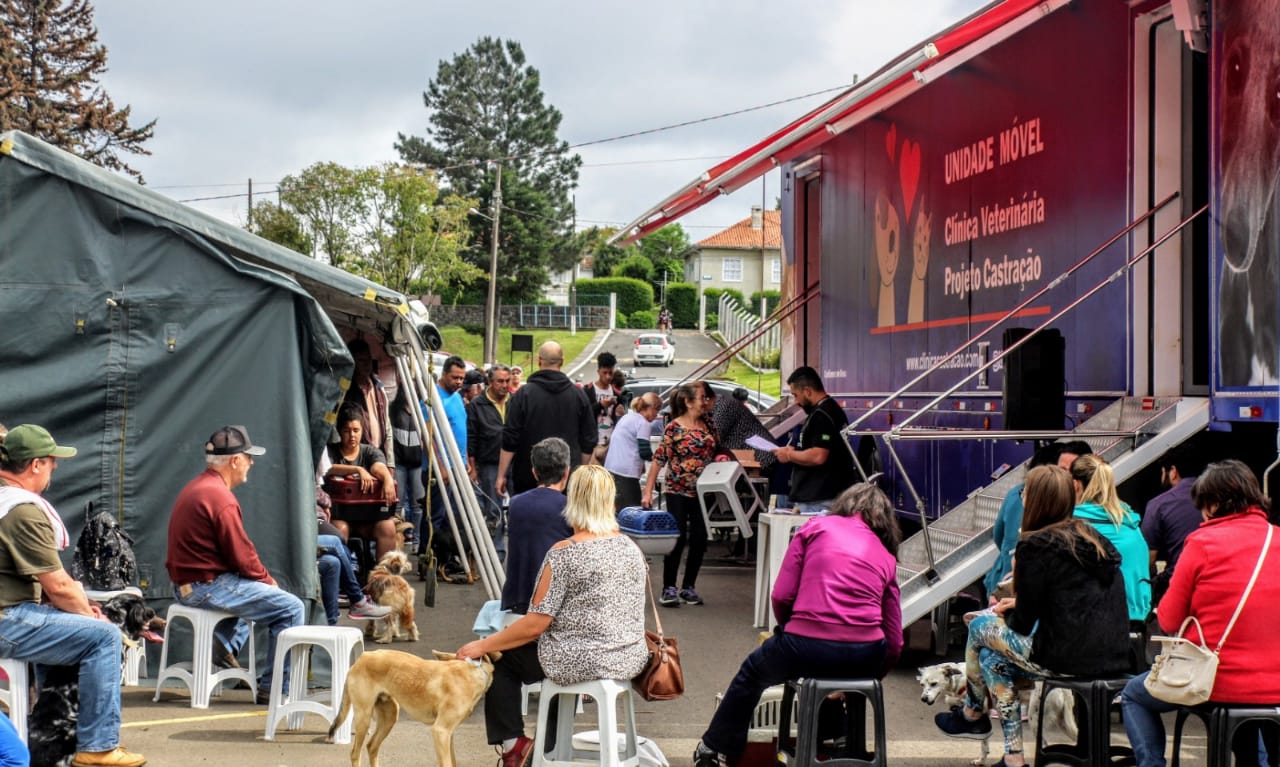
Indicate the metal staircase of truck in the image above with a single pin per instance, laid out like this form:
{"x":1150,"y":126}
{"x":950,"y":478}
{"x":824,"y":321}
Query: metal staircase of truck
{"x":954,"y":550}
{"x":963,"y":550}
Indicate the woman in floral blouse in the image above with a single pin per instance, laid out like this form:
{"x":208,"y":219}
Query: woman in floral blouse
{"x":688,"y":445}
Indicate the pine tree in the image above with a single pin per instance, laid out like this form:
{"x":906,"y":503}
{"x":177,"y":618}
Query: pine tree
{"x":50,"y":64}
{"x":487,"y":106}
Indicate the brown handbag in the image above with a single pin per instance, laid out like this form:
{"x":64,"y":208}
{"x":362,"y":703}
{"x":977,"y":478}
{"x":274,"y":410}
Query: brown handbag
{"x":662,"y":678}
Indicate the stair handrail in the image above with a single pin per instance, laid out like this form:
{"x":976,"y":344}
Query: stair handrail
{"x":784,"y":310}
{"x":853,"y":427}
{"x":1126,"y":266}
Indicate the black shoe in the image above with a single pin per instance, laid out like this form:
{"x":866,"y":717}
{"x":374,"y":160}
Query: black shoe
{"x":262,"y":698}
{"x":955,"y":724}
{"x":223,"y":659}
{"x":705,"y":757}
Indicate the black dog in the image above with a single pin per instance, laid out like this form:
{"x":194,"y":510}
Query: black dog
{"x":51,"y":728}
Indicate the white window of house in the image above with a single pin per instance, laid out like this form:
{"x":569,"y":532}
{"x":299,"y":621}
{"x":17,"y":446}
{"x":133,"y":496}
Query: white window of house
{"x":776,"y":266}
{"x":731,"y":270}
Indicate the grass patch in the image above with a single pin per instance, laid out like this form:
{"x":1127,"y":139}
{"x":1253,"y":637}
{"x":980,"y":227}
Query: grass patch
{"x":470,"y":345}
{"x":768,"y":383}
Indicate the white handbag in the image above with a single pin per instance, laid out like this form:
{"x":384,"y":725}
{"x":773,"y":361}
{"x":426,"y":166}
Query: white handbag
{"x":1184,"y":671}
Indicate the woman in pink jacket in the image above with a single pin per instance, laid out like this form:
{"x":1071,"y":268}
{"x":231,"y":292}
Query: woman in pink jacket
{"x":1213,"y":570}
{"x":838,"y":610}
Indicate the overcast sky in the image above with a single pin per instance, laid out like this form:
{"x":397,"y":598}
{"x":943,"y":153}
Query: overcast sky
{"x":262,"y":89}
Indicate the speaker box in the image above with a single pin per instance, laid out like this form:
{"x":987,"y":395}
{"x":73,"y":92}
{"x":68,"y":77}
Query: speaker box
{"x":1035,"y":391}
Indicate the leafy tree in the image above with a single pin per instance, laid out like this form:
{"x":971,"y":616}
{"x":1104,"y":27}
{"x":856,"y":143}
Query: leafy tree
{"x":595,"y":242}
{"x":635,"y":266}
{"x":669,"y":242}
{"x":50,"y":63}
{"x":330,"y":199}
{"x":280,"y":225}
{"x":487,"y":111}
{"x":413,"y":240}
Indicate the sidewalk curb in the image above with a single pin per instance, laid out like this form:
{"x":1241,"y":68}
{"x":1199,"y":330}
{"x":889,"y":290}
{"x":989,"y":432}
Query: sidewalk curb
{"x":590,"y":352}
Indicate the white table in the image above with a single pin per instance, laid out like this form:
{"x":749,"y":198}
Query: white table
{"x":772,"y":539}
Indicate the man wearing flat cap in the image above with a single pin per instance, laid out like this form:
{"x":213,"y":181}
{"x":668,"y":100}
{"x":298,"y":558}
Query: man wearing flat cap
{"x":69,"y":630}
{"x":213,"y":564}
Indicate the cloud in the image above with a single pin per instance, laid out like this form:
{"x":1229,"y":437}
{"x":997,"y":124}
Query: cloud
{"x":259,"y":90}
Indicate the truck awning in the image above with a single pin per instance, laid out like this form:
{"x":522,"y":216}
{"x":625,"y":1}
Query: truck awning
{"x":898,"y":79}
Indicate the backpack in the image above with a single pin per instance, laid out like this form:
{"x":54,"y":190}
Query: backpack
{"x":104,"y":558}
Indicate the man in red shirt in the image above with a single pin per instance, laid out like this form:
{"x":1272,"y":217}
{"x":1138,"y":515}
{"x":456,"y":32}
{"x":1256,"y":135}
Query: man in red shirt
{"x":213,"y":564}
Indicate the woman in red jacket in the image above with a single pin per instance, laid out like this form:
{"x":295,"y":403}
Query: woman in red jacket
{"x":1212,"y":573}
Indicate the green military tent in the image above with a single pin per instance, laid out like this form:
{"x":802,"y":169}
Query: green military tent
{"x":132,"y":327}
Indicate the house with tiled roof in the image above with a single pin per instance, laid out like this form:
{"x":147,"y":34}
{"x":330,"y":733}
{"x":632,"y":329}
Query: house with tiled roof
{"x":747,"y":256}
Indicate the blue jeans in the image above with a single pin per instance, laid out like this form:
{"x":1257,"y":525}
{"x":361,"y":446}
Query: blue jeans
{"x":51,"y":637}
{"x":337,"y":575}
{"x":411,"y":492}
{"x":1142,"y":722}
{"x":779,"y":658}
{"x":811,"y":507}
{"x":491,"y":505}
{"x":251,"y":600}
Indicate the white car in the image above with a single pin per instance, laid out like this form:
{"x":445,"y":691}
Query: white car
{"x":653,"y":348}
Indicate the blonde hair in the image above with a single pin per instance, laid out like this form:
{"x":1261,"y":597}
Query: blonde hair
{"x":648,"y":399}
{"x":1099,"y":483}
{"x":590,"y":505}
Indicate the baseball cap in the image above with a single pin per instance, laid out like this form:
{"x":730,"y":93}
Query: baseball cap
{"x":29,"y":441}
{"x":472,"y":378}
{"x":230,"y":440}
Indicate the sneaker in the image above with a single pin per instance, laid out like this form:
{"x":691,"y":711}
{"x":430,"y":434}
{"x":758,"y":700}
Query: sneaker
{"x":262,"y":697}
{"x":690,"y":597}
{"x":519,"y":754}
{"x":705,"y":757}
{"x":116,"y":757}
{"x":365,"y":609}
{"x":670,"y":597}
{"x":955,"y":724}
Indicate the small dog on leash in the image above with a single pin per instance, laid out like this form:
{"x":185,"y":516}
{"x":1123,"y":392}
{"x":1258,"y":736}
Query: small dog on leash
{"x":947,"y":680}
{"x":388,"y":587}
{"x":440,"y":692}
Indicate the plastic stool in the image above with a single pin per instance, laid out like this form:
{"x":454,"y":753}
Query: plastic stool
{"x":650,"y":754}
{"x":803,"y":749}
{"x":536,"y":689}
{"x":344,"y":644}
{"x":1222,"y":722}
{"x":18,"y":696}
{"x":198,"y":674}
{"x":1093,"y":745}
{"x":135,"y":663}
{"x":614,"y":749}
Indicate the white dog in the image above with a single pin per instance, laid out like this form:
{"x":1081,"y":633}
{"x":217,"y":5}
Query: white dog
{"x":947,"y":680}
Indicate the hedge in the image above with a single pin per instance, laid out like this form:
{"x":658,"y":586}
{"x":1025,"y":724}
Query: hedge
{"x":713,"y":296}
{"x":772,"y":299}
{"x":642,"y":320}
{"x":633,"y":295}
{"x":682,"y":300}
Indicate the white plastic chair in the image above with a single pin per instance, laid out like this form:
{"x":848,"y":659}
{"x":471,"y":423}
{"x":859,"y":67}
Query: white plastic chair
{"x":17,"y":697}
{"x":198,"y":674}
{"x":344,"y":644}
{"x":718,"y":496}
{"x":615,"y":749}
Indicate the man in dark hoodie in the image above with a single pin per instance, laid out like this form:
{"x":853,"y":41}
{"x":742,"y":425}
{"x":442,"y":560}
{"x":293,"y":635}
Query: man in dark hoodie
{"x":547,"y":405}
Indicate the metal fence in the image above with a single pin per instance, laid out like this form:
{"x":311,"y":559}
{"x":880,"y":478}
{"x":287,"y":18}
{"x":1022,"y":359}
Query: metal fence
{"x":525,"y":316}
{"x":735,"y":322}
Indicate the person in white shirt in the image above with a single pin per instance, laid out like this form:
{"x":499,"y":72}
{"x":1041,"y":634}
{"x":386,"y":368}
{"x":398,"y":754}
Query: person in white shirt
{"x":629,"y":448}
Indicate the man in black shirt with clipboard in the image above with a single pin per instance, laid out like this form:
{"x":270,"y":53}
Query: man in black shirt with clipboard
{"x":821,"y":461}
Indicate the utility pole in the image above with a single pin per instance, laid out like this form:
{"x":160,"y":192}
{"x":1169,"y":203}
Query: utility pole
{"x":573,"y":276}
{"x":251,"y":203}
{"x":491,"y":309}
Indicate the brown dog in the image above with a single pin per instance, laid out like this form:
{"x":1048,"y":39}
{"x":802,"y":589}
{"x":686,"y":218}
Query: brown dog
{"x":387,"y":587}
{"x":440,"y":692}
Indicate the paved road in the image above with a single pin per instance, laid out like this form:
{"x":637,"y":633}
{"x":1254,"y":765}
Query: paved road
{"x":713,"y":640}
{"x":692,"y":349}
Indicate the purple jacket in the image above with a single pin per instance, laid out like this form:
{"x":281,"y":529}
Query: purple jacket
{"x":838,"y":582}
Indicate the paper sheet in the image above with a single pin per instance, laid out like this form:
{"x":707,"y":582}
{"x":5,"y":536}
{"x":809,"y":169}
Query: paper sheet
{"x":760,"y":443}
